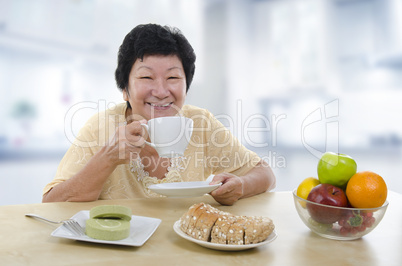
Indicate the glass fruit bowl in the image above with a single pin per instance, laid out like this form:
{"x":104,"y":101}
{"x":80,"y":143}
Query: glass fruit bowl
{"x":337,"y":222}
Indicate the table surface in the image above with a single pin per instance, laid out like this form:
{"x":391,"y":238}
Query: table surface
{"x":27,"y":241}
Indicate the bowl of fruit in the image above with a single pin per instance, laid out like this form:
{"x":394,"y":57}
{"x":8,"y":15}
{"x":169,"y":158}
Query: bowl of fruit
{"x":341,"y":203}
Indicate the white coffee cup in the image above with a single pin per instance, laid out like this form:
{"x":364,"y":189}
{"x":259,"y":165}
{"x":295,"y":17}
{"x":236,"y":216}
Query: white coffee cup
{"x":169,"y":135}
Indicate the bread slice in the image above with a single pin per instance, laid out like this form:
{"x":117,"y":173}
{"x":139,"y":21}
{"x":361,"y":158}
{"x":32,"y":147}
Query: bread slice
{"x":249,"y":231}
{"x":221,"y":227}
{"x":191,"y":229}
{"x":235,"y":234}
{"x":258,"y":229}
{"x":185,"y":219}
{"x":205,"y":223}
{"x":267,"y":227}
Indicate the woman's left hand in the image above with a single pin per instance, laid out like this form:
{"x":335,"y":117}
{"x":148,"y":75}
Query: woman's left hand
{"x":231,"y":190}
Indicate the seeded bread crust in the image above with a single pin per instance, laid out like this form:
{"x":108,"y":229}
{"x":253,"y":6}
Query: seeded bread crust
{"x":236,"y":231}
{"x":206,"y":223}
{"x":267,"y":228}
{"x":185,"y":219}
{"x":221,"y":227}
{"x":192,"y":230}
{"x":249,"y":231}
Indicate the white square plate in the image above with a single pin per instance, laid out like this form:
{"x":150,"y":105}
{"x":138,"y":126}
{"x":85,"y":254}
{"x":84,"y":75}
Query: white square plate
{"x":141,"y":229}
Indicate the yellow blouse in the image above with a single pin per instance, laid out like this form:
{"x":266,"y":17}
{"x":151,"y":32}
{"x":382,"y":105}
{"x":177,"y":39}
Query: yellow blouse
{"x":212,"y":150}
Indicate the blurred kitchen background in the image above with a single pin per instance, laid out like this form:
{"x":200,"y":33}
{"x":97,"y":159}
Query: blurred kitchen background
{"x":291,"y":78}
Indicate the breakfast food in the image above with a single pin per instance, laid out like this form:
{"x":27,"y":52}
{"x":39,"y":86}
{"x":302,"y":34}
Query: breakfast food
{"x":108,"y":222}
{"x":206,"y":223}
{"x":338,"y":202}
{"x":221,"y":228}
{"x":366,"y":189}
{"x":107,"y":229}
{"x":111,"y":211}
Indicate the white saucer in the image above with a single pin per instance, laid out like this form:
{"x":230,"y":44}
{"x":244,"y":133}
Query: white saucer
{"x":184,"y":189}
{"x":141,"y":229}
{"x":176,"y":228}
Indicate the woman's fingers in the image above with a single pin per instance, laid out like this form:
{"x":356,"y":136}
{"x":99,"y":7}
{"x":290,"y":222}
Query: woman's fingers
{"x":127,"y":140}
{"x":230,"y":191}
{"x":135,"y":134}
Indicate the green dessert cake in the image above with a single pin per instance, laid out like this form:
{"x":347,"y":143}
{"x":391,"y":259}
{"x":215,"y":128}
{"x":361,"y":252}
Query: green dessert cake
{"x":111,"y":211}
{"x":108,"y":222}
{"x":107,"y":229}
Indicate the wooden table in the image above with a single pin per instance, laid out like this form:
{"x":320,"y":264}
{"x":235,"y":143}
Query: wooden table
{"x":26,"y":241}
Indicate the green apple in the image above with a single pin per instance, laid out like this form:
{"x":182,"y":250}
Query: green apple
{"x":336,"y":169}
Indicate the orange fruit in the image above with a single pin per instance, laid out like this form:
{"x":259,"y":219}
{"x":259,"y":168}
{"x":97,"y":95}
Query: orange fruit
{"x":366,"y":190}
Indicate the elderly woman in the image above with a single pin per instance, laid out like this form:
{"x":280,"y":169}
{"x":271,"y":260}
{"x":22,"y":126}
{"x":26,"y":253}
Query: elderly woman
{"x":108,"y":159}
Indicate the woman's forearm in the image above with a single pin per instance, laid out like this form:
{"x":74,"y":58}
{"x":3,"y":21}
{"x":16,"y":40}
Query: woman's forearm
{"x":87,"y":184}
{"x":258,"y":180}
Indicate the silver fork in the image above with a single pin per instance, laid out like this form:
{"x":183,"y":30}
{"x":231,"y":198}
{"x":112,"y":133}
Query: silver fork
{"x":70,"y":224}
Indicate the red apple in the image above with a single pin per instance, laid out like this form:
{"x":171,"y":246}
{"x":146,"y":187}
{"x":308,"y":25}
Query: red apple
{"x":326,"y":194}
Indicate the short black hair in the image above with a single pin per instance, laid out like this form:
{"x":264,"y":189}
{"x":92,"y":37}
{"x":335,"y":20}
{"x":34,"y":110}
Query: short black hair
{"x":153,"y":39}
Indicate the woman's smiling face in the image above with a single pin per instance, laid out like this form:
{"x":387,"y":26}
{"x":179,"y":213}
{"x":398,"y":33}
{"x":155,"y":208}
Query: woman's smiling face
{"x":156,"y":86}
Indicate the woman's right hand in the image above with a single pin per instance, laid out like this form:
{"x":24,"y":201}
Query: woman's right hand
{"x":127,"y":142}
{"x":87,"y":184}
